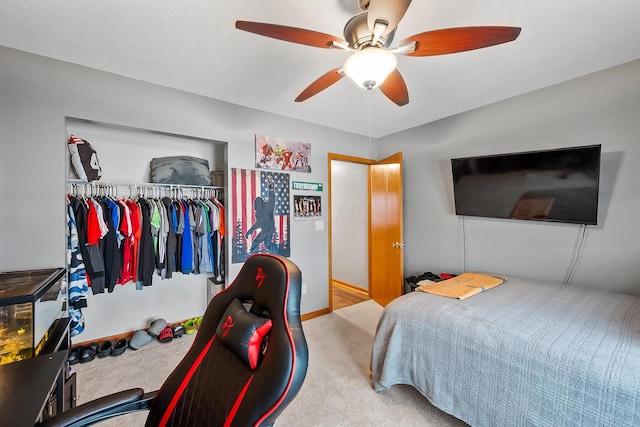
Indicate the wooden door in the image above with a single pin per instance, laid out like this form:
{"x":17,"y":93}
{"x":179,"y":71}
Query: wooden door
{"x":386,"y":269}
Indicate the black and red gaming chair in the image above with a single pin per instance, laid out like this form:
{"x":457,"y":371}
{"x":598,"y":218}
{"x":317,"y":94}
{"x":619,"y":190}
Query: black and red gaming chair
{"x":246,"y":364}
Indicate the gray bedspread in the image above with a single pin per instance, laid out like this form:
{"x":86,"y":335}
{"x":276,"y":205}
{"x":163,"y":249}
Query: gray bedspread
{"x":526,"y":353}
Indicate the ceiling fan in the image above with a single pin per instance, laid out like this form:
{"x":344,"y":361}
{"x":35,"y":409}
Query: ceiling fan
{"x":368,"y":36}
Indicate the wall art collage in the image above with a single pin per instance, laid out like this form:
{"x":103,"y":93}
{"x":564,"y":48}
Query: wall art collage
{"x":261,"y":207}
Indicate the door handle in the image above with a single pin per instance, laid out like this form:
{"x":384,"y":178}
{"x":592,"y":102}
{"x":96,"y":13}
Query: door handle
{"x":398,"y":245}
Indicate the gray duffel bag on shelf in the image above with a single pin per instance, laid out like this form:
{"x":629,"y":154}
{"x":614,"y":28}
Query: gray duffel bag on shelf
{"x":184,"y":170}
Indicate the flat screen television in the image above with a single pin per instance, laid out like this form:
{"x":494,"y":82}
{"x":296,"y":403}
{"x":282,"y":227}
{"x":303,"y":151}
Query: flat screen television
{"x":559,"y":185}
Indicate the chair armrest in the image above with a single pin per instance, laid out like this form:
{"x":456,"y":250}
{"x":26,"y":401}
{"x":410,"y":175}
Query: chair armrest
{"x":102,"y":408}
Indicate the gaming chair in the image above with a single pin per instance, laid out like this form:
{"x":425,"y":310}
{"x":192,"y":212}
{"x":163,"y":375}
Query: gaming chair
{"x":246,"y":364}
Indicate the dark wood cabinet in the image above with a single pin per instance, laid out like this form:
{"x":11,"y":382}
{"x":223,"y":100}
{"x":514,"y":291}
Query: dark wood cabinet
{"x":34,"y":346}
{"x":37,"y":388}
{"x":29,"y":389}
{"x":63,"y":393}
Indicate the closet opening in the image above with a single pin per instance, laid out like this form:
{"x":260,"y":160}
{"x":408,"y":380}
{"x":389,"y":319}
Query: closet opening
{"x":126,"y":156}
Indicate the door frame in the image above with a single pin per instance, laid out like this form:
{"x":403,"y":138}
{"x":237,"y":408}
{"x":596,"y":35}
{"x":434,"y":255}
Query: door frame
{"x":347,"y":159}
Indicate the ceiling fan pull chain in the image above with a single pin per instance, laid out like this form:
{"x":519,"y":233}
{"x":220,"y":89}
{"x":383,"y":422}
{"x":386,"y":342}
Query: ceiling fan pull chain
{"x":369,"y":92}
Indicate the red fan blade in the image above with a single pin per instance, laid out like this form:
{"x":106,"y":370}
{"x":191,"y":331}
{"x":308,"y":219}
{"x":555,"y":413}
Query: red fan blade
{"x":452,"y":40}
{"x":289,"y":34}
{"x":395,"y":88}
{"x":320,"y":84}
{"x":390,"y":11}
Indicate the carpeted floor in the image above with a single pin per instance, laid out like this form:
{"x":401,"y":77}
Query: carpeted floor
{"x":337,"y":390}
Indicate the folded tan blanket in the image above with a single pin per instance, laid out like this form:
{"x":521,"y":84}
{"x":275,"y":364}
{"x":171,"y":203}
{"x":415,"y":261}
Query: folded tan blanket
{"x":462,"y":286}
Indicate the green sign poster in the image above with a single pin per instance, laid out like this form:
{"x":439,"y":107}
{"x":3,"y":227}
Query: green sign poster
{"x":308,"y":186}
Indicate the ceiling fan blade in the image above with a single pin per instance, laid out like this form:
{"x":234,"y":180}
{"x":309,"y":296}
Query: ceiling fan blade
{"x":395,"y":88}
{"x":290,"y":34}
{"x":320,"y":84}
{"x":452,"y":40}
{"x":390,"y":11}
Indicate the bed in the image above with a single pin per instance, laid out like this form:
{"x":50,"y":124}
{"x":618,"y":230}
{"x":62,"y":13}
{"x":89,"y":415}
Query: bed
{"x":525,"y":353}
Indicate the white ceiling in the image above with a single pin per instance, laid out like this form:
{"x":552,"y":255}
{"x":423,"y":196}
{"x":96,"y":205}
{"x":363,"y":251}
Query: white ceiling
{"x":193,"y":45}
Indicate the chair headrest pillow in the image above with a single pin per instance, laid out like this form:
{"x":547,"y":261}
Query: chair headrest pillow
{"x":243,"y":332}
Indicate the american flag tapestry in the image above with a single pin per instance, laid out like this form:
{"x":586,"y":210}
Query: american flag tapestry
{"x":260,"y":213}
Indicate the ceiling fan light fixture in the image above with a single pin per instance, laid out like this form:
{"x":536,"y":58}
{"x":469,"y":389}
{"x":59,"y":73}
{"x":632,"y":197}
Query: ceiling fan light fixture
{"x":370,"y":66}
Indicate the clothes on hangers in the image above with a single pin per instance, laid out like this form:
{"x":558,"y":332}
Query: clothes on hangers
{"x":123,"y":240}
{"x":90,"y":253}
{"x":171,"y":247}
{"x":78,"y":287}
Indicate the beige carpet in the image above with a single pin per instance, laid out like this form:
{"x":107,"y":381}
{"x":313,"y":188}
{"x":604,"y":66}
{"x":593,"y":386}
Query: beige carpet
{"x":337,"y":390}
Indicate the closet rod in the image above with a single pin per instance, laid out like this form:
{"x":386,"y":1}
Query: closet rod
{"x":145,"y":184}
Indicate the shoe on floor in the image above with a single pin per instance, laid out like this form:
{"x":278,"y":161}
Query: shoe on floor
{"x":105,"y":349}
{"x":178,"y":331}
{"x":166,"y":335}
{"x":120,"y":347}
{"x":157,"y":326}
{"x":89,"y":352}
{"x":140,"y":339}
{"x":74,"y":355}
{"x":190,"y":327}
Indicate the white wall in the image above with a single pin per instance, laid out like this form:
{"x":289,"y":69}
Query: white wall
{"x":36,"y":94}
{"x":350,"y":223}
{"x":602,"y":108}
{"x":125,"y":154}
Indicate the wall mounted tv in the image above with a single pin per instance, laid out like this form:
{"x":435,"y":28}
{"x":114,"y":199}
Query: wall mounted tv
{"x":559,"y":185}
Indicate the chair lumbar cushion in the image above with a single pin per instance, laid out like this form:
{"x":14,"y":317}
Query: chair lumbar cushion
{"x":243,"y":332}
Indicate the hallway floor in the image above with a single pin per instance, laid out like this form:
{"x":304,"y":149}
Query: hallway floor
{"x":344,"y":296}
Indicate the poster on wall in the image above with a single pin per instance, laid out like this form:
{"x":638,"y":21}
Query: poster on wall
{"x":306,"y":207}
{"x":260,"y":213}
{"x":282,"y":154}
{"x":306,"y":186}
